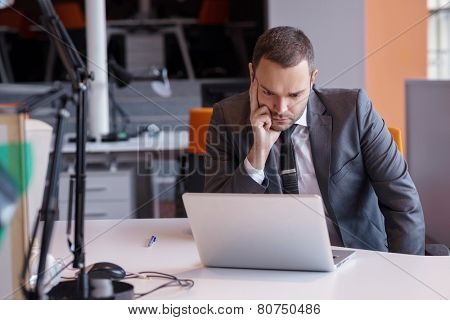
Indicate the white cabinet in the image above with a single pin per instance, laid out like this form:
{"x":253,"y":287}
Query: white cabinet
{"x":109,"y":195}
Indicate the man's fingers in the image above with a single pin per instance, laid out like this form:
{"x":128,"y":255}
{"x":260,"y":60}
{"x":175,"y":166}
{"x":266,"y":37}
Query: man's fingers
{"x":264,"y":121}
{"x":254,"y":96}
{"x":262,"y":118}
{"x":260,"y":111}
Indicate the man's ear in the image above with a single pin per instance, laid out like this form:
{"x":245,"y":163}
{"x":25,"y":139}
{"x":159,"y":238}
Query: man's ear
{"x":251,"y":72}
{"x":314,"y":76}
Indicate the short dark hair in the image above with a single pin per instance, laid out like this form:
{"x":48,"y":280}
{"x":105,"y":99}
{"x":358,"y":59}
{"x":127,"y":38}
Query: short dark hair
{"x":287,"y":46}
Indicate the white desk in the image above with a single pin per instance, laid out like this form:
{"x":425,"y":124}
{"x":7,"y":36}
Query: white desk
{"x":368,"y":275}
{"x":172,"y":142}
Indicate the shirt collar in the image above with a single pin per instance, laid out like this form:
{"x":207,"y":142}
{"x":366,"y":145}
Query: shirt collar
{"x":302,"y":121}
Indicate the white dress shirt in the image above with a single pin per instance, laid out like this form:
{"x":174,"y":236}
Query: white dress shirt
{"x":307,"y":181}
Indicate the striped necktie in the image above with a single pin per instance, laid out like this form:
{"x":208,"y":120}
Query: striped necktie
{"x":288,"y":167}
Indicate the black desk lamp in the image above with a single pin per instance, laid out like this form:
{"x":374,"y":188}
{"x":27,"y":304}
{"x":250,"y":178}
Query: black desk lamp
{"x":79,"y":77}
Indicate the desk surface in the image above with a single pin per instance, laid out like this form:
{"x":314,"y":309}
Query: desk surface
{"x":368,"y":275}
{"x":162,"y":141}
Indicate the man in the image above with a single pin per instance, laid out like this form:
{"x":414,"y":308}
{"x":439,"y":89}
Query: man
{"x":340,"y":147}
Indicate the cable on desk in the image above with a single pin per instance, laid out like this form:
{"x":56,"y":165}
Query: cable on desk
{"x":144,"y":275}
{"x":174,"y":281}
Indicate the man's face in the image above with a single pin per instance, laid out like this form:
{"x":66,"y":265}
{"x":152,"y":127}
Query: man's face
{"x":284,"y":91}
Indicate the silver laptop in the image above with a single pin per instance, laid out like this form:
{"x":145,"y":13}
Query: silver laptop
{"x":262,"y":231}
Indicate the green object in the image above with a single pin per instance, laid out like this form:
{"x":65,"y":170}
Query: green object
{"x":2,"y":233}
{"x":122,"y":135}
{"x":16,"y":166}
{"x":17,"y":160}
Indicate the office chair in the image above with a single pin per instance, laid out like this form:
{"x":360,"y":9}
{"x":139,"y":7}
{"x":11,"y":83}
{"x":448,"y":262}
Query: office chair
{"x":192,"y":177}
{"x":431,"y":249}
{"x":397,"y":135}
{"x":213,"y":12}
{"x":71,"y":15}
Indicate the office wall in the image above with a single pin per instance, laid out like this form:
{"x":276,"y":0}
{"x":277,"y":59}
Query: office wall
{"x":336,"y":29}
{"x":396,"y":46}
{"x":428,"y":135}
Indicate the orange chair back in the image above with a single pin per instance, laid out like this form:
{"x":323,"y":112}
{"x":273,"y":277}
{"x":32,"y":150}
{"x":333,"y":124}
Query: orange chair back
{"x":71,"y":15}
{"x":199,"y":119}
{"x":213,"y":12}
{"x":14,"y":20}
{"x":10,"y":18}
{"x":397,"y":135}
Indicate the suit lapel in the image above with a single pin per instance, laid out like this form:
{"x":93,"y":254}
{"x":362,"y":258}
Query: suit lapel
{"x":320,"y":127}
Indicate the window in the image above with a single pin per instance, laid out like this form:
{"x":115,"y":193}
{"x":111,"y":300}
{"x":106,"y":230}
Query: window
{"x":439,"y":39}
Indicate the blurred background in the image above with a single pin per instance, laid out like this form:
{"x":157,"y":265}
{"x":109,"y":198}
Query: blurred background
{"x":168,"y":61}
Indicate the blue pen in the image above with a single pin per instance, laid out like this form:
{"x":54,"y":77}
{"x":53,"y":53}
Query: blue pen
{"x":151,"y":241}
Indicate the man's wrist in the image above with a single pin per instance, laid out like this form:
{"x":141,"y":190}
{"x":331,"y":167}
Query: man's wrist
{"x":255,"y":174}
{"x":257,"y":158}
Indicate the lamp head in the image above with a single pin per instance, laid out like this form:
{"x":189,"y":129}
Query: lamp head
{"x":161,"y":85}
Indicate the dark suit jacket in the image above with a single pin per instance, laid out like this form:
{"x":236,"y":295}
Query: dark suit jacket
{"x":364,"y":180}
